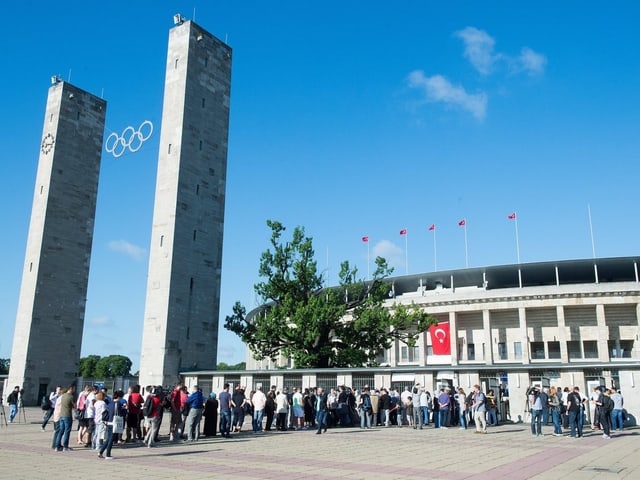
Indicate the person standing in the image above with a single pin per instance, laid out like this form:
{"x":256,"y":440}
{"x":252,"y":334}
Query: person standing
{"x":151,"y":409}
{"x":12,"y":400}
{"x":605,"y":407}
{"x":573,"y":412}
{"x":67,"y":404}
{"x":282,"y":407}
{"x":461,"y":399}
{"x":443,"y":403}
{"x":270,"y":409}
{"x":364,"y":405}
{"x":226,"y":404}
{"x":196,"y":403}
{"x":617,"y":415}
{"x":134,"y":412}
{"x":321,"y":410}
{"x":425,"y":403}
{"x":384,"y":402}
{"x":537,"y":401}
{"x":554,"y":404}
{"x":479,"y":410}
{"x":53,"y":397}
{"x":258,"y":400}
{"x":210,"y":414}
{"x":110,"y":410}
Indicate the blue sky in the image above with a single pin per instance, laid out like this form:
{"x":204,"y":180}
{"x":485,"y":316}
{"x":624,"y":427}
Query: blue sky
{"x":347,"y":118}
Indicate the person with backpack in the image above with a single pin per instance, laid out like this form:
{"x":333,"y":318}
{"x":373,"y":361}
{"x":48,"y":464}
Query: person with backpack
{"x":364,"y":408}
{"x":151,"y":411}
{"x":605,"y":406}
{"x":574,"y":403}
{"x":48,"y":404}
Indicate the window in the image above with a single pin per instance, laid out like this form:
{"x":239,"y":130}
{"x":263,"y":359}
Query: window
{"x":590,"y":348}
{"x":554,"y":349}
{"x":620,"y":348}
{"x":537,"y":351}
{"x":502,"y":351}
{"x":203,"y":102}
{"x":517,"y":350}
{"x":409,"y":354}
{"x":471,"y":351}
{"x":574,"y":350}
{"x":175,"y":66}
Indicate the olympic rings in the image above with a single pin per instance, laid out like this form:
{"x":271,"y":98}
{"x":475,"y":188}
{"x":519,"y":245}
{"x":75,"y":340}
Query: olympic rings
{"x":130,"y":139}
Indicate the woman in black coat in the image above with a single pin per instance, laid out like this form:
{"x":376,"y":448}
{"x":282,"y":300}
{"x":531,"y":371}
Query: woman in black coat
{"x":210,"y":416}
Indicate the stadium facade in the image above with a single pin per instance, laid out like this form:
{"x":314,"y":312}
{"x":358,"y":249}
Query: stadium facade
{"x":565,"y":323}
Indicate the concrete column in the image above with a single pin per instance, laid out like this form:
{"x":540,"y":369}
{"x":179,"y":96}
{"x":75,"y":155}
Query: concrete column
{"x":486,"y":325}
{"x":603,"y":334}
{"x":453,"y":338}
{"x":562,"y":334}
{"x":522,"y":317}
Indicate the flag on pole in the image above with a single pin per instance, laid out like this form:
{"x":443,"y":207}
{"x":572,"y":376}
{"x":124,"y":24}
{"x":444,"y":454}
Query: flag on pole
{"x":462,"y":222}
{"x":432,"y":227}
{"x":403,"y":231}
{"x":440,"y":341}
{"x":512,"y":216}
{"x":365,"y":239}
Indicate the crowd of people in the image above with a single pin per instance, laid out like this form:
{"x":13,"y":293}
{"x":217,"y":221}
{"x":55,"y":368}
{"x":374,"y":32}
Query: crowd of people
{"x":105,"y":420}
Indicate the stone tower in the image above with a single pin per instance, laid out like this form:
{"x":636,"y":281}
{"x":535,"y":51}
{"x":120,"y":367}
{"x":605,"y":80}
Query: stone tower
{"x":183,"y":287}
{"x":51,"y":308}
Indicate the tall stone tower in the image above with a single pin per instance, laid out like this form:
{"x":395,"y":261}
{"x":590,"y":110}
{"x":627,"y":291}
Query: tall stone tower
{"x":51,"y":308}
{"x":183,"y":287}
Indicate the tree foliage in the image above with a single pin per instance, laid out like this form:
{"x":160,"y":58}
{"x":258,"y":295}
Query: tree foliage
{"x":237,"y":366}
{"x":322,"y":327}
{"x":88,"y":365}
{"x":4,"y":365}
{"x":105,"y":367}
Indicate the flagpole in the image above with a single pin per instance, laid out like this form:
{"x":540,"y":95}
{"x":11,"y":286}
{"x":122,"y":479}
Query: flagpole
{"x":406,"y":253}
{"x":466,"y":246}
{"x":435,"y":256}
{"x":593,"y":244}
{"x":368,"y":262}
{"x":517,"y":241}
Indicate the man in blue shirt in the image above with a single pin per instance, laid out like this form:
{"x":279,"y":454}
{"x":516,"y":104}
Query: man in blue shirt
{"x":196,"y":403}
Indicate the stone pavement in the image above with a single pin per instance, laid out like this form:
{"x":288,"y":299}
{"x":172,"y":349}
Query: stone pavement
{"x":507,"y":451}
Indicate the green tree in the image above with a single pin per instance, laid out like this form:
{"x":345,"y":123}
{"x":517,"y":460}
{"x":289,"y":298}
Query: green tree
{"x":88,"y":365}
{"x":113,"y":366}
{"x":322,"y":327}
{"x":237,"y":366}
{"x":4,"y":365}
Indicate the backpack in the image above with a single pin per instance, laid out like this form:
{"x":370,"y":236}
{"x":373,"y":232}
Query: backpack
{"x":367,"y":402}
{"x":607,"y":403}
{"x":147,"y":408}
{"x":46,"y":404}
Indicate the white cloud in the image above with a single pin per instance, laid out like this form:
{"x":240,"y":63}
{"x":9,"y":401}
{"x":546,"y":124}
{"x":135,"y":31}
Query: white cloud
{"x":531,"y":62}
{"x":129,"y":249}
{"x":478,"y":49}
{"x":100,"y":321}
{"x":392,"y":253}
{"x":438,"y":89}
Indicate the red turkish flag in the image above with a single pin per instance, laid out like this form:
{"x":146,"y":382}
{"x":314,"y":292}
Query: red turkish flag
{"x":432,"y":227}
{"x":403,"y":231}
{"x":462,"y":222}
{"x":440,"y":341}
{"x":365,"y":239}
{"x":512,"y":216}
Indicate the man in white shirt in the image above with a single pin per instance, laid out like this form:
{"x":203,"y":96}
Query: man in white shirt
{"x":258,"y":400}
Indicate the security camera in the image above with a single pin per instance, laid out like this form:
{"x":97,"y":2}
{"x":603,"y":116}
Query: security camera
{"x":178,"y":19}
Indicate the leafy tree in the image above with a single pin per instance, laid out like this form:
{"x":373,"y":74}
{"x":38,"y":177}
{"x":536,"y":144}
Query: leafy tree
{"x":237,"y":366}
{"x":4,"y":365}
{"x":88,"y":365}
{"x":113,"y":366}
{"x":318,"y":327}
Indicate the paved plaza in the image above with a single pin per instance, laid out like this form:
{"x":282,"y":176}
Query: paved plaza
{"x":507,"y":451}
